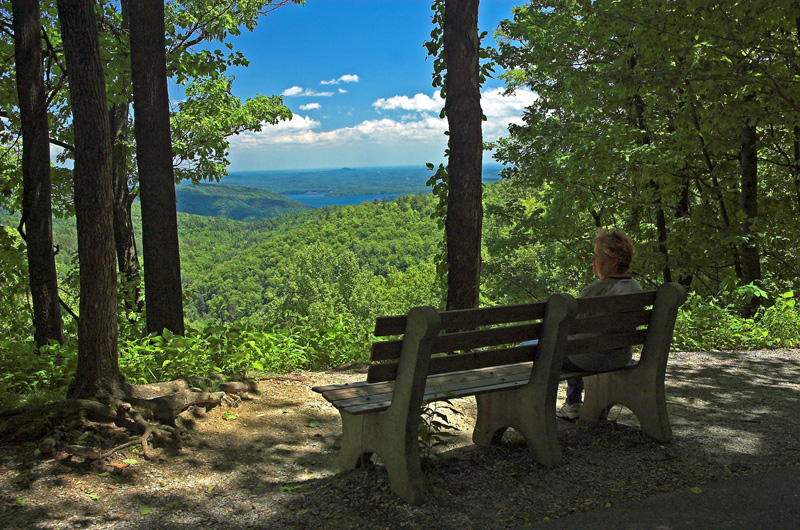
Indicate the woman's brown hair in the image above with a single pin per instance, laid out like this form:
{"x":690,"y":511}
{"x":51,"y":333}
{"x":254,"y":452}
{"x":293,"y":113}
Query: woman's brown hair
{"x":617,"y":248}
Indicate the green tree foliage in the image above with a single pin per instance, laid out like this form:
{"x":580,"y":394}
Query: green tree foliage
{"x":638,"y":124}
{"x":385,"y":239}
{"x":234,"y":202}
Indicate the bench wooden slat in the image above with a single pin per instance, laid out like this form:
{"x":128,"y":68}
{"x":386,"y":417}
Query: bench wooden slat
{"x":605,"y":342}
{"x":352,"y":384}
{"x":460,"y":362}
{"x":463,"y":340}
{"x":445,"y":386}
{"x":466,"y":318}
{"x":621,"y":302}
{"x":602,"y":323}
{"x":378,"y":396}
{"x":466,"y":376}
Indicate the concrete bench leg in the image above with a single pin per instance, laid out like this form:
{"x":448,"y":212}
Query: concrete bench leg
{"x":527,"y":411}
{"x":638,"y":389}
{"x":396,"y":446}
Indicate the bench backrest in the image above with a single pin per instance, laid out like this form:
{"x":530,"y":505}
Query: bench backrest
{"x":611,"y":322}
{"x":464,"y":330}
{"x":602,"y":323}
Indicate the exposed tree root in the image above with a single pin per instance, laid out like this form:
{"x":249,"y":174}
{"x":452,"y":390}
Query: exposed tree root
{"x":83,"y":427}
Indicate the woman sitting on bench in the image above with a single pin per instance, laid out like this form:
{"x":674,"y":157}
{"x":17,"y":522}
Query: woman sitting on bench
{"x":613,"y":253}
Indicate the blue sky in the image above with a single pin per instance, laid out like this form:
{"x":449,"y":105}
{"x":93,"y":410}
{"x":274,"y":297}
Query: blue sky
{"x":355,"y":75}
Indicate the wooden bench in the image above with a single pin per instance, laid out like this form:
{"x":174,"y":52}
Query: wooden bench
{"x":515,"y":385}
{"x":639,"y":386}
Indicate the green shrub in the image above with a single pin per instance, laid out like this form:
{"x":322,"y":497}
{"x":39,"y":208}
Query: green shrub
{"x":213,"y":348}
{"x":708,"y":324}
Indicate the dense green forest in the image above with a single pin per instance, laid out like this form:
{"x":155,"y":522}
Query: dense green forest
{"x":234,"y":202}
{"x":677,"y":122}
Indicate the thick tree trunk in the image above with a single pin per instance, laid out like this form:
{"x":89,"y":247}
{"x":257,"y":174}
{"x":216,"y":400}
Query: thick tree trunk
{"x":97,"y":372}
{"x":37,"y":188}
{"x":751,"y":261}
{"x":463,"y":108}
{"x":162,"y":273}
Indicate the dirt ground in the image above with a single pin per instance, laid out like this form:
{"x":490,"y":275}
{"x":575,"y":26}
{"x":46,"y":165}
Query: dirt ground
{"x":269,"y":461}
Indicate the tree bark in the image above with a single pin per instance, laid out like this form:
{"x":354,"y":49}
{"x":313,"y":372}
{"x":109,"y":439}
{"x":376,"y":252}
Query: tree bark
{"x":751,"y":260}
{"x":795,"y":169}
{"x":37,"y":215}
{"x":463,"y":108}
{"x":124,"y":238}
{"x":97,"y":372}
{"x":162,"y":273}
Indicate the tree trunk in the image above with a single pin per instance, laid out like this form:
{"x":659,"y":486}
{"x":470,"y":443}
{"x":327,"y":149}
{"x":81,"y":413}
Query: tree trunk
{"x":162,"y":273}
{"x":463,"y":108}
{"x":716,"y":189}
{"x":751,"y":261}
{"x":37,"y":188}
{"x":124,"y":239}
{"x":97,"y":372}
{"x":795,"y":169}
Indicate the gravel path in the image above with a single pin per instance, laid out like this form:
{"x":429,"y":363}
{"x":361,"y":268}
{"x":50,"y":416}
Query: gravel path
{"x":270,"y":461}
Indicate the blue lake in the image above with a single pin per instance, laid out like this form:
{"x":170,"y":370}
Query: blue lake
{"x":318,"y":200}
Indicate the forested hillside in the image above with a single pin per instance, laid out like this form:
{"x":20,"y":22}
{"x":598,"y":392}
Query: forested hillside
{"x":311,"y":262}
{"x":379,"y":245}
{"x":234,"y":202}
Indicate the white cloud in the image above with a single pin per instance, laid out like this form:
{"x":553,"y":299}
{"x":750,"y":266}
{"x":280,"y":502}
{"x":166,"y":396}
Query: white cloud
{"x":347,"y":78}
{"x":298,"y":91}
{"x":309,"y":106}
{"x":418,"y":103}
{"x":501,"y":110}
{"x":421,"y":126}
{"x":342,"y":91}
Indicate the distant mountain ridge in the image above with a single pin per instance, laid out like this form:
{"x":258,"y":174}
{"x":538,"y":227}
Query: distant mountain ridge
{"x":234,"y":202}
{"x":387,"y":180}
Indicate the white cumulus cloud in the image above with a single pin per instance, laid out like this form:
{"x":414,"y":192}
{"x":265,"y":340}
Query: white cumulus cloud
{"x":347,"y":78}
{"x":422,"y":124}
{"x":418,"y":103}
{"x":309,"y":106}
{"x":501,"y":110}
{"x":298,"y":91}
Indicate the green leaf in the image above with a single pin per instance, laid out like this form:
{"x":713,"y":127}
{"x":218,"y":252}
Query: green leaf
{"x":696,"y":490}
{"x":21,"y":501}
{"x":94,"y":496}
{"x":210,"y":488}
{"x":131,"y":461}
{"x":104,"y":474}
{"x":146,"y":511}
{"x":228,"y":416}
{"x":313,"y":423}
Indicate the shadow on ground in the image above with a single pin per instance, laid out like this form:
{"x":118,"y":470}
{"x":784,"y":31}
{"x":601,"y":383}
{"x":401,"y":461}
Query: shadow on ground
{"x":732,"y":413}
